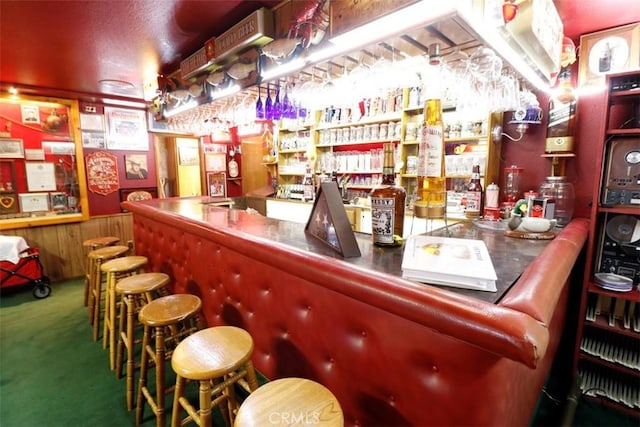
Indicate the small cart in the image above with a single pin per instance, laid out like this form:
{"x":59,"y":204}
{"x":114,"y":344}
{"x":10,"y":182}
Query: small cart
{"x":27,"y":270}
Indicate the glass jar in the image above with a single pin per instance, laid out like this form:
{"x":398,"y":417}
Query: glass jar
{"x":560,"y":191}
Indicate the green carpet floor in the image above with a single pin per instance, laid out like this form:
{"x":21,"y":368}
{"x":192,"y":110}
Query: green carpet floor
{"x":53,"y":374}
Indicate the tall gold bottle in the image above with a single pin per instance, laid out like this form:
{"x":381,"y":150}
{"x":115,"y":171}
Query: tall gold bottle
{"x":431,"y":186}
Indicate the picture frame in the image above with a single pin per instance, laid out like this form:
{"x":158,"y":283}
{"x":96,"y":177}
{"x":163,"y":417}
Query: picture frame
{"x":126,"y":129}
{"x":217,"y":184}
{"x":136,"y":166}
{"x":188,"y":156}
{"x":30,"y":114}
{"x":58,"y":200}
{"x":329,"y":223}
{"x":11,"y":148}
{"x":34,"y":202}
{"x":215,"y":162}
{"x":609,"y":51}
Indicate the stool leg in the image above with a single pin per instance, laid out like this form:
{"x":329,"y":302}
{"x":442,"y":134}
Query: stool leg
{"x":112,"y":322}
{"x":124,"y":317}
{"x":205,"y":404}
{"x":252,"y":379}
{"x":97,"y":299}
{"x":107,"y":308}
{"x":160,"y":393}
{"x":144,"y":366}
{"x":88,"y":287}
{"x":177,"y":407}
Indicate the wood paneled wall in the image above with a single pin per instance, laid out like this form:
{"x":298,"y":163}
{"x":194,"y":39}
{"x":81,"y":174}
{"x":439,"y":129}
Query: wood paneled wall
{"x":60,"y":246}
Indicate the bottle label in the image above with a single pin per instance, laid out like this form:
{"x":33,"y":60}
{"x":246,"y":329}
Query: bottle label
{"x":473,"y":201}
{"x":382,"y":219}
{"x":430,"y":151}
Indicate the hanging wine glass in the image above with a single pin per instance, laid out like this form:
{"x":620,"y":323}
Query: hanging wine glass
{"x":288,"y":111}
{"x":259,"y":106}
{"x":277,"y":105}
{"x":268,"y":105}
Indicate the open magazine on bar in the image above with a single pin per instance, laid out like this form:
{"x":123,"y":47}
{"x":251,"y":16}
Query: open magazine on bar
{"x":448,"y":261}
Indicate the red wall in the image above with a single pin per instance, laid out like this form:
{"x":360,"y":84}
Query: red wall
{"x":110,"y":204}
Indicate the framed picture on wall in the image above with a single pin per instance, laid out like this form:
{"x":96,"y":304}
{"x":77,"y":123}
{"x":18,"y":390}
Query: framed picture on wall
{"x":136,"y":166}
{"x":11,"y":148}
{"x":609,"y":51}
{"x":215,"y":162}
{"x":126,"y":129}
{"x":217,"y":184}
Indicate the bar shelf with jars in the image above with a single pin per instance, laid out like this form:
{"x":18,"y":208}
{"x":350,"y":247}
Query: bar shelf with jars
{"x":467,"y":142}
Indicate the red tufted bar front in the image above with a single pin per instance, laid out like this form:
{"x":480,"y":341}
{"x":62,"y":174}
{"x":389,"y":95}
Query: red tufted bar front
{"x":393,"y":352}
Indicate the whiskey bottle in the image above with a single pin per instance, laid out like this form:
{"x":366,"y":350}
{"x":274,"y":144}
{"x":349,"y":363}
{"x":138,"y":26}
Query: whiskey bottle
{"x":431,"y":186}
{"x":387,"y":204}
{"x":562,"y":116}
{"x":474,"y":194}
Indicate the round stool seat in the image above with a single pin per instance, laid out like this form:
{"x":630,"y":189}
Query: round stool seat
{"x":108,"y":252}
{"x":169,"y":309}
{"x":277,"y":402}
{"x":212,"y":352}
{"x":143,"y":282}
{"x":124,"y":264}
{"x":100,"y":241}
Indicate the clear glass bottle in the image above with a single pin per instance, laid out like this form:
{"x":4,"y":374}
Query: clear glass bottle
{"x":562,"y":194}
{"x":387,"y":204}
{"x":431,"y":185}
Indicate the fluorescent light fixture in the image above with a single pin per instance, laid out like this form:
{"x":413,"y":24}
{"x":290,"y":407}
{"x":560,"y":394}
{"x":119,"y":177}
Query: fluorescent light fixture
{"x":230,"y":90}
{"x":330,"y":51}
{"x":286,"y":68}
{"x":491,"y":38}
{"x":423,"y":12}
{"x":181,"y":109}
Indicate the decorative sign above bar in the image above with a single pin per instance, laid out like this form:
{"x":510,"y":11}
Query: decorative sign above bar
{"x":195,"y":63}
{"x":255,"y":29}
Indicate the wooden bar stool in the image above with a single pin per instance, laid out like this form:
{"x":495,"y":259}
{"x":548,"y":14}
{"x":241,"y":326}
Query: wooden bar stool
{"x":220,"y":356}
{"x":290,"y":401}
{"x":116,"y":269}
{"x":135,"y":291}
{"x":88,"y":246}
{"x":169,"y":319}
{"x":95,"y":259}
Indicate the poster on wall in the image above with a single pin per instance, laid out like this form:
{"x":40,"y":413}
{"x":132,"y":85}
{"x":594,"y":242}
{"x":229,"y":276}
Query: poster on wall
{"x":102,"y":173}
{"x":126,"y":129}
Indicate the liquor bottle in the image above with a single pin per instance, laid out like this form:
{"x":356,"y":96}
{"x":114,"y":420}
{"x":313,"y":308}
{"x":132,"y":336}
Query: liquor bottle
{"x":387,"y":204}
{"x":308,"y":190}
{"x":474,"y":194}
{"x":562,"y":116}
{"x":431,"y":186}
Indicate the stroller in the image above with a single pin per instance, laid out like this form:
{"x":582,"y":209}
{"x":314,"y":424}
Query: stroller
{"x":28,"y":270}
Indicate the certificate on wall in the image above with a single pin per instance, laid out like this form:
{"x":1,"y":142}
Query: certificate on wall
{"x":34,"y":202}
{"x":40,"y":176}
